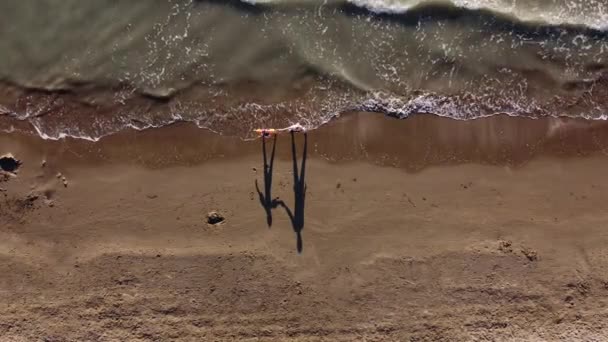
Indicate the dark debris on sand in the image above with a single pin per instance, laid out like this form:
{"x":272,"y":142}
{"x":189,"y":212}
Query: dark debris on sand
{"x":214,"y":217}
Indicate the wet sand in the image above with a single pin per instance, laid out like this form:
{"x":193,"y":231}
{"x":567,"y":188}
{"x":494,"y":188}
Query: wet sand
{"x":421,"y":229}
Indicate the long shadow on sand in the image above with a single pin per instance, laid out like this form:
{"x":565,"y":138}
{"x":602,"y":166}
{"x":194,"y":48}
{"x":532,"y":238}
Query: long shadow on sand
{"x":266,"y":198}
{"x":299,"y":188}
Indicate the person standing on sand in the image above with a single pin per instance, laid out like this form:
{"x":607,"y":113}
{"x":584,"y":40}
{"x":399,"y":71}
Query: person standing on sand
{"x":299,"y":185}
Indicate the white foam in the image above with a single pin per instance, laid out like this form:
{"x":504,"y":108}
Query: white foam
{"x":591,"y":13}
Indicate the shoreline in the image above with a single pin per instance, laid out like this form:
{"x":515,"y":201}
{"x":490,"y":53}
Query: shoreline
{"x":413,"y":144}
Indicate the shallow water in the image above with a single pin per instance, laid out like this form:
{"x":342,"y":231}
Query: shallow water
{"x":89,"y":69}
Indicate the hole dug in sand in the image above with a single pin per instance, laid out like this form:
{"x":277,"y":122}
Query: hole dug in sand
{"x":8,"y":163}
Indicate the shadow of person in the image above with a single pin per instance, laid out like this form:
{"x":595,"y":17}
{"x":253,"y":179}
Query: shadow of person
{"x":299,"y":189}
{"x":266,"y":198}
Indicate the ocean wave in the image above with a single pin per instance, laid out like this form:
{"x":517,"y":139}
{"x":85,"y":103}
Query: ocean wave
{"x":69,"y":120}
{"x":590,"y":13}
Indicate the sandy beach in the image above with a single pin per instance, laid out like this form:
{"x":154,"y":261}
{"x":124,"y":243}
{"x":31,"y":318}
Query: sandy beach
{"x":425,"y":229}
{"x":448,"y":181}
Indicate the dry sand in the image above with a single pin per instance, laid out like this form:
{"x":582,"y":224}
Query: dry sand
{"x":425,"y":229}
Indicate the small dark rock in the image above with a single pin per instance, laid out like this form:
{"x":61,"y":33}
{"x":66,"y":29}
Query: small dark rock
{"x":214,"y":217}
{"x":338,"y":186}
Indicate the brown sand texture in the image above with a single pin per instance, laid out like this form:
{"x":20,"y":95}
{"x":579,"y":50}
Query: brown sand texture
{"x":425,"y":229}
